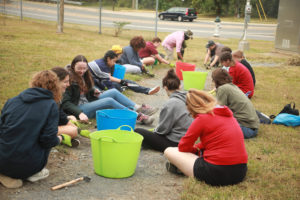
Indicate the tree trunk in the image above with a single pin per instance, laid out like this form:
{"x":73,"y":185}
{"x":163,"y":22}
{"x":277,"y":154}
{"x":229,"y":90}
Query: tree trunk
{"x":60,"y":27}
{"x":133,"y":3}
{"x":218,"y":7}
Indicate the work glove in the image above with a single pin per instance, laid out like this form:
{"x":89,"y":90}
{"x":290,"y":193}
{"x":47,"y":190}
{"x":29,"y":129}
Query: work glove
{"x":124,"y":83}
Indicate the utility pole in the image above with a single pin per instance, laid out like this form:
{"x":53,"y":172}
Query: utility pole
{"x":21,"y":10}
{"x":60,"y":27}
{"x":137,"y":4}
{"x":100,"y":15}
{"x":244,"y":44}
{"x":156,"y":15}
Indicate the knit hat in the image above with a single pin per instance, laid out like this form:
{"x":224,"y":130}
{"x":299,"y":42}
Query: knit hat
{"x":189,"y":34}
{"x":117,"y":49}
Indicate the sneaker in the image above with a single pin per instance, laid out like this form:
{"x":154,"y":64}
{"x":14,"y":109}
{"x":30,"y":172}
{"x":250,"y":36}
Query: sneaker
{"x":173,"y":169}
{"x":147,"y":110}
{"x":70,"y":141}
{"x":154,"y":90}
{"x":145,"y":119}
{"x":9,"y":182}
{"x":39,"y":176}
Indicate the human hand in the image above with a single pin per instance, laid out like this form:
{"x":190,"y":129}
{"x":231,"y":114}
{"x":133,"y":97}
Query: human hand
{"x":72,"y":118}
{"x":83,"y":118}
{"x":97,"y":93}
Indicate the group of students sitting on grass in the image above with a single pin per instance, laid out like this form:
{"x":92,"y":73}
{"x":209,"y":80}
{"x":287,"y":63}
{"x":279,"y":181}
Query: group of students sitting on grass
{"x":45,"y":115}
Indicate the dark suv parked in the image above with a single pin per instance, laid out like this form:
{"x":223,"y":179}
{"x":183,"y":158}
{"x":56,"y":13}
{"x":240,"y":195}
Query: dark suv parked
{"x":179,"y":13}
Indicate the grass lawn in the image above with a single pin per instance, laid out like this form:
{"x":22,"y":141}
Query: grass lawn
{"x":274,"y":156}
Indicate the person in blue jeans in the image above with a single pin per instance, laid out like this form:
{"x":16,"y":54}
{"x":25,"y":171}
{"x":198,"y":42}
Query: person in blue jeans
{"x":82,"y":99}
{"x":102,"y":72}
{"x":231,"y":96}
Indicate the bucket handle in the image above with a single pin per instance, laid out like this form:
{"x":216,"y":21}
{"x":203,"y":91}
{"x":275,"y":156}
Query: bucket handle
{"x":131,"y":130}
{"x":108,"y":138}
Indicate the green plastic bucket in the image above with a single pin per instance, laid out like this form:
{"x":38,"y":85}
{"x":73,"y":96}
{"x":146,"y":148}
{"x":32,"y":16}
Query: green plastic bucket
{"x":115,"y":152}
{"x":194,"y":79}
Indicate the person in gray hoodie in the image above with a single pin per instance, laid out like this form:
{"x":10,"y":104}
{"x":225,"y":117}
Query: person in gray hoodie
{"x":174,"y":118}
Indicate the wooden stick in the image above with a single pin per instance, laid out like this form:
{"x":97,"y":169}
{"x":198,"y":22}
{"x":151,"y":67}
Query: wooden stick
{"x":67,"y":183}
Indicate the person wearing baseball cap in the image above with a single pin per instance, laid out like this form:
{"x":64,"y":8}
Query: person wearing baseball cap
{"x":214,"y":51}
{"x":176,"y":40}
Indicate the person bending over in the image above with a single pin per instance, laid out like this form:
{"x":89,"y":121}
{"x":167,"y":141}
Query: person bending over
{"x":150,"y":55}
{"x":82,"y":99}
{"x":213,"y":53}
{"x":220,"y":158}
{"x":102,"y":72}
{"x":28,"y":131}
{"x":174,"y":118}
{"x":230,"y":95}
{"x":176,"y":40}
{"x":66,"y":128}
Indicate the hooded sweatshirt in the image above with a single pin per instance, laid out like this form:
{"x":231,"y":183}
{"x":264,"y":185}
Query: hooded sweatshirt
{"x":28,"y":130}
{"x":174,"y":119}
{"x":222,"y":140}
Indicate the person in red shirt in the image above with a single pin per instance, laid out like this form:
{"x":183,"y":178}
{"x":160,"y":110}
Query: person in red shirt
{"x":149,"y":54}
{"x":220,"y":158}
{"x":241,"y":76}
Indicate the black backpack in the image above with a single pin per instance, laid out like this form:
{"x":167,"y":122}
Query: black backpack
{"x":288,"y":108}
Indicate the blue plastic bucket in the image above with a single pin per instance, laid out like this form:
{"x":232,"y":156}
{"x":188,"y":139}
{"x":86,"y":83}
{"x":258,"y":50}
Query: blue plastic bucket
{"x":119,"y":71}
{"x":114,"y":118}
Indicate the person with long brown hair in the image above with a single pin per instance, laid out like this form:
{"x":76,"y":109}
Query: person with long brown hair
{"x":28,"y":131}
{"x":66,"y":128}
{"x":82,"y":99}
{"x":174,"y":119}
{"x":220,"y":158}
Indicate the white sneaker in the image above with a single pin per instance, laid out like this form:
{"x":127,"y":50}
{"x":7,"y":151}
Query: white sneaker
{"x":39,"y":176}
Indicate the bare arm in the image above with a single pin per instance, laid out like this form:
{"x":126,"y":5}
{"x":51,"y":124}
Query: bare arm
{"x":207,"y":56}
{"x":160,"y":59}
{"x":179,"y":55}
{"x":214,"y":61}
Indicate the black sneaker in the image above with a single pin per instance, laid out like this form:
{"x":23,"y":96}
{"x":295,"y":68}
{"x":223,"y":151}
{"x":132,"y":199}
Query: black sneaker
{"x":173,"y":169}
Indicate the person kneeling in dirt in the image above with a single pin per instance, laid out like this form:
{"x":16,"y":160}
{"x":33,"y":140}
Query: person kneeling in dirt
{"x":102,"y":72}
{"x":220,"y":158}
{"x":28,"y":131}
{"x":150,"y":55}
{"x":230,"y":95}
{"x":130,"y":58}
{"x":66,"y":128}
{"x":174,"y":118}
{"x":213,"y":53}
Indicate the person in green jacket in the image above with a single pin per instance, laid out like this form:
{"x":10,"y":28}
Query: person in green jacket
{"x":230,"y":95}
{"x":82,"y":99}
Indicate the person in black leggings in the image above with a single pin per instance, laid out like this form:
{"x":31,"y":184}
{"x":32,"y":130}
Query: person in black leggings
{"x":174,"y":118}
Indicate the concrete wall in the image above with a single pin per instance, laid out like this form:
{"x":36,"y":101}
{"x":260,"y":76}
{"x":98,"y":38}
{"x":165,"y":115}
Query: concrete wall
{"x":288,"y":28}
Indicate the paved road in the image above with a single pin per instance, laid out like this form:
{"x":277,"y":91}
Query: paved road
{"x":138,"y":20}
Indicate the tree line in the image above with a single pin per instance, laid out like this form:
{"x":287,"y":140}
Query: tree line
{"x":206,"y":7}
